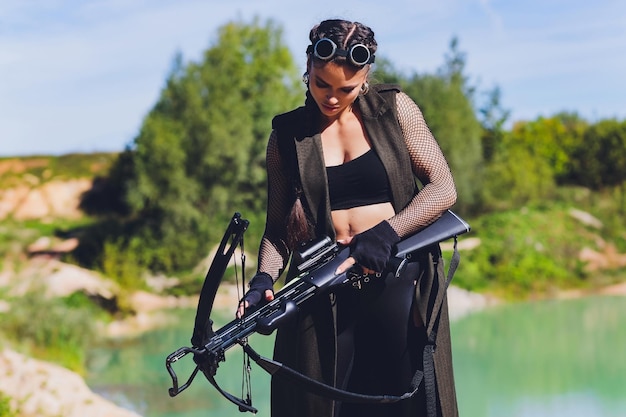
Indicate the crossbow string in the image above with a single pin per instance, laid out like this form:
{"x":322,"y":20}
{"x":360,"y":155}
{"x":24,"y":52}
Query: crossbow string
{"x":208,"y":362}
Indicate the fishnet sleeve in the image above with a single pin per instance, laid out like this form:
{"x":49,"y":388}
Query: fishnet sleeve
{"x":273,"y":251}
{"x":429,"y":166}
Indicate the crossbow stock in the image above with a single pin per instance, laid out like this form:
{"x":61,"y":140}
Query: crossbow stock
{"x":316,"y":263}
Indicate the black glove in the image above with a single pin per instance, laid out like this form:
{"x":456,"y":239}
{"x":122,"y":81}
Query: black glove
{"x":372,"y":248}
{"x":258,"y":285}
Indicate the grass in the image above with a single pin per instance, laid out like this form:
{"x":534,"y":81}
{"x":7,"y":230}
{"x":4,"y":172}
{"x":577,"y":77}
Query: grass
{"x":56,"y":330}
{"x":535,"y":250}
{"x":35,"y":170}
{"x":6,"y":410}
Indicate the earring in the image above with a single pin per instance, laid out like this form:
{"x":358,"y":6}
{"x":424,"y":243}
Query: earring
{"x":365,"y":88}
{"x":305,"y":78}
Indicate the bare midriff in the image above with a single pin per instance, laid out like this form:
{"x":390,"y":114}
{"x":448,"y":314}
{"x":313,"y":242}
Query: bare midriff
{"x":349,"y":222}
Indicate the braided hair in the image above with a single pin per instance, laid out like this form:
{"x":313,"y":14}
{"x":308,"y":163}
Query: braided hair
{"x":344,"y":34}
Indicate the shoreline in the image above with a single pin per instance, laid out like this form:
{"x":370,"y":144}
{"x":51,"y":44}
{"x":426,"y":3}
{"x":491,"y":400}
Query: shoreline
{"x":152,"y":309}
{"x":32,"y":384}
{"x":39,"y":388}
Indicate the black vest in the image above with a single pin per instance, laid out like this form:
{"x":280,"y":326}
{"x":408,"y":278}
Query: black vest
{"x":300,"y":145}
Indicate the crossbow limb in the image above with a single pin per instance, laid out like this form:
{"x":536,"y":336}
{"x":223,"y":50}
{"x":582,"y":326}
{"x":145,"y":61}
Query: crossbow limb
{"x":208,"y":361}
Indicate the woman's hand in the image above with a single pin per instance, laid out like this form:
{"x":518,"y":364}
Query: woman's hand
{"x":371,"y":249}
{"x":350,"y":262}
{"x":261,"y":286}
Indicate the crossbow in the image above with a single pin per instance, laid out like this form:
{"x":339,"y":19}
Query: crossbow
{"x":316,"y":263}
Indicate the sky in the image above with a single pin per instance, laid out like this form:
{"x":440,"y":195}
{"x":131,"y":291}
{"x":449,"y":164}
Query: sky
{"x":81,"y":75}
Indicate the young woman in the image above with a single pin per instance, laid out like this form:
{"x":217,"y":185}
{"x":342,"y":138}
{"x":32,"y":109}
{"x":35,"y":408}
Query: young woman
{"x":345,"y":165}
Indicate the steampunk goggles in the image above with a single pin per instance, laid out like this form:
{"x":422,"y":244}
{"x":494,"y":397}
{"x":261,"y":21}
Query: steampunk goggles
{"x":325,"y":49}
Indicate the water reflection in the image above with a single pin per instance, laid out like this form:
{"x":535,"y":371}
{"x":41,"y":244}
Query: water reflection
{"x":133,"y":374}
{"x":554,"y":358}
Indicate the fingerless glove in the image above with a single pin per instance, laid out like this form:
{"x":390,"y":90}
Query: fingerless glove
{"x":258,"y":285}
{"x":372,"y":248}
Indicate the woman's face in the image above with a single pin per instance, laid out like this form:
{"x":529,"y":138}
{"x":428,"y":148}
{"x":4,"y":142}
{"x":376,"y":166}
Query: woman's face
{"x":335,"y":87}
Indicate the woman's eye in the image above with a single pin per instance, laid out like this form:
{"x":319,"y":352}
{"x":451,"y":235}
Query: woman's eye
{"x":344,"y":90}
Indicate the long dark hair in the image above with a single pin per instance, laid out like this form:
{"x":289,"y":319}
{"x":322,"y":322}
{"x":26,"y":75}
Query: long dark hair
{"x":299,"y":225}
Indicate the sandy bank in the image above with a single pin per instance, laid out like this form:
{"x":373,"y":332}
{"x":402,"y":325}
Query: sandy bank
{"x":41,"y":389}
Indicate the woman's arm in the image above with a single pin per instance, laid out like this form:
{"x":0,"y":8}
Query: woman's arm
{"x":372,"y":248}
{"x":273,"y":251}
{"x":429,"y":166}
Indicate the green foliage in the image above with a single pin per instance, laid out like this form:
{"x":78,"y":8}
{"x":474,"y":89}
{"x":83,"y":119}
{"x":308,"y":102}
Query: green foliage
{"x":77,"y":165}
{"x":516,"y":176}
{"x":525,"y":252}
{"x":6,"y":410}
{"x":599,"y":159}
{"x":200,"y":154}
{"x":569,"y":130}
{"x":13,"y":239}
{"x":550,"y":139}
{"x":35,"y":170}
{"x":106,"y":198}
{"x":447,"y":103}
{"x":210,"y":127}
{"x":493,"y":118}
{"x":385,"y":72}
{"x":527,"y":162}
{"x":121,"y":263}
{"x":16,"y":236}
{"x":50,"y":330}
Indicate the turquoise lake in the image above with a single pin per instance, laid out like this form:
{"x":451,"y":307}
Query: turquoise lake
{"x":549,"y":358}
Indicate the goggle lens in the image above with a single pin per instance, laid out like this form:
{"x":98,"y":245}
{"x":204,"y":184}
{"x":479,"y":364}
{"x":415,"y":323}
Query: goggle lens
{"x":359,"y":54}
{"x":325,"y":49}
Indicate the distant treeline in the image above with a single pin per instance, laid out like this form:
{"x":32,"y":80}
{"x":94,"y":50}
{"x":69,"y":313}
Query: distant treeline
{"x":200,"y":153}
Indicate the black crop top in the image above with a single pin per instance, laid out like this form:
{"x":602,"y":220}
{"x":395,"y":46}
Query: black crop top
{"x":359,"y":182}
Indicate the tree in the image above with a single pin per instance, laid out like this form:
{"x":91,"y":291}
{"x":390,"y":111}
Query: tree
{"x":385,"y":72}
{"x":518,"y":173}
{"x":493,"y":120}
{"x":200,"y":153}
{"x":599,"y":160}
{"x":446,"y":99}
{"x":530,"y":160}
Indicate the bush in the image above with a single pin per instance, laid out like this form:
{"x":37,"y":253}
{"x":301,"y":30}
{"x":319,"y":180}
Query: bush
{"x":5,"y":406}
{"x":525,"y":252}
{"x":52,"y":329}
